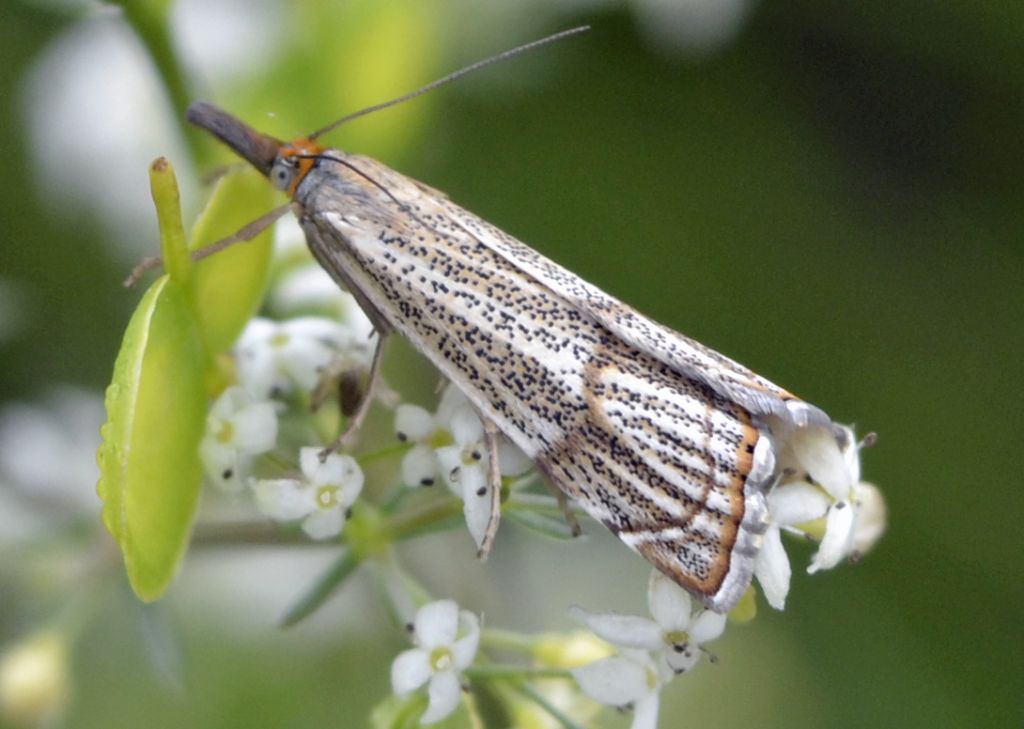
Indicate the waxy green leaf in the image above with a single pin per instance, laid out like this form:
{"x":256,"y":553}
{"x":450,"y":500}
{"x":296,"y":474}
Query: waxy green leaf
{"x":150,"y":471}
{"x":229,"y":285}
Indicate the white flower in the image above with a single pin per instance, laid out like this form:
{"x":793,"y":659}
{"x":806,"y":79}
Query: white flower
{"x":321,"y":498}
{"x":677,"y":631}
{"x":237,"y":428}
{"x":452,"y":443}
{"x":651,"y":652}
{"x":821,"y":496}
{"x":426,"y":432}
{"x":441,"y":654}
{"x":872,"y":517}
{"x":632,"y":679}
{"x":273,"y":356}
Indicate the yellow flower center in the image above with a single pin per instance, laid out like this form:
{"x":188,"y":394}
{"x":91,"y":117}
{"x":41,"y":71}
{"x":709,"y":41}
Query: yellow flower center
{"x":327,"y":496}
{"x":652,"y":679}
{"x":439,"y":439}
{"x":441,"y":659}
{"x":279,"y":340}
{"x":677,"y":637}
{"x":225,"y":431}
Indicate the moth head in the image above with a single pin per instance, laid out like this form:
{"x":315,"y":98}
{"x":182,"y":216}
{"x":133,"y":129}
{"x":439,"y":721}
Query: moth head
{"x":293,"y":163}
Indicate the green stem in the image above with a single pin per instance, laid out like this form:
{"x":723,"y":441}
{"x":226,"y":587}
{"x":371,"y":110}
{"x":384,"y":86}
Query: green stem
{"x":252,"y":533}
{"x":538,"y":698}
{"x":323,"y":588}
{"x":509,"y":640}
{"x":150,"y":19}
{"x":409,"y":525}
{"x":382,"y":453}
{"x":518,"y":673}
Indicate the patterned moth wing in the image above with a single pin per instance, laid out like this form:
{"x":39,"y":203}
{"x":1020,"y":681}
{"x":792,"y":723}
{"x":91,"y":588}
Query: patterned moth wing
{"x":673,"y":465}
{"x":665,"y":441}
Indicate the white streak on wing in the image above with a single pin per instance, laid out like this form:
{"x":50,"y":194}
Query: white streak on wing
{"x":724,"y":375}
{"x":667,"y":417}
{"x":414,"y":283}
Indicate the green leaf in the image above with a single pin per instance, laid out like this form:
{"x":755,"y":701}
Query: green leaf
{"x":229,"y":285}
{"x":150,"y":471}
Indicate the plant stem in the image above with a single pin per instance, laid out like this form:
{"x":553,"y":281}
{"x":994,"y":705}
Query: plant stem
{"x":514,"y":672}
{"x":508,"y":640}
{"x":150,"y":19}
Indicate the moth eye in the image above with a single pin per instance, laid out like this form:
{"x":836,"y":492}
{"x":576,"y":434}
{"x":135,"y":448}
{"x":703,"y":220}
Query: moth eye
{"x":281,"y":174}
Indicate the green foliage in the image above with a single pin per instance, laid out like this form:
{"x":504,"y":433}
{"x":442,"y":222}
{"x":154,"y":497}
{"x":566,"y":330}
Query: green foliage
{"x":149,"y":462}
{"x":156,"y":403}
{"x":229,"y":285}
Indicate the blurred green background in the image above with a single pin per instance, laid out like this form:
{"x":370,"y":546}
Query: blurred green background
{"x":829,"y":192}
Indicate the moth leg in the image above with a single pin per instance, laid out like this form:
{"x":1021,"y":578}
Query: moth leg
{"x":493,"y":485}
{"x":563,"y":504}
{"x":561,"y":497}
{"x":363,"y":406}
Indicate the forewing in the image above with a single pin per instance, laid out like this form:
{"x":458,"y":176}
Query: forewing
{"x":673,"y":465}
{"x":678,"y":351}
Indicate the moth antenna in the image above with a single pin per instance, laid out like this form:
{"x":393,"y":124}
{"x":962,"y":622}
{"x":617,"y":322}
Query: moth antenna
{"x":369,"y":178}
{"x":452,"y":77}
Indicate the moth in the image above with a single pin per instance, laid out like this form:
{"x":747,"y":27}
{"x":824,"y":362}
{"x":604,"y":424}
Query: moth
{"x":668,"y":443}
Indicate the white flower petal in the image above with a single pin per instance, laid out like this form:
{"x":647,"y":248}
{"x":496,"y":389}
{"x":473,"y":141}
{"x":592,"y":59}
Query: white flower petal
{"x":631,"y":631}
{"x":222,"y":464}
{"x":304,"y":362}
{"x":476,"y":506}
{"x":324,"y":523}
{"x":872,"y":516}
{"x":452,"y":400}
{"x":352,"y":486}
{"x":797,"y":503}
{"x":309,"y":462}
{"x":466,"y":427}
{"x":818,"y":453}
{"x":449,"y":461}
{"x":614,"y":681}
{"x":465,"y":648}
{"x":772,"y":569}
{"x":645,"y":713}
{"x":444,"y":694}
{"x":413,"y":423}
{"x":511,"y":460}
{"x":851,"y":451}
{"x":668,"y":602}
{"x":256,"y":428}
{"x":229,"y":402}
{"x":684,"y":659}
{"x":706,"y":627}
{"x":419,"y":467}
{"x":837,"y":544}
{"x":436,"y":623}
{"x":328,"y":332}
{"x":340,"y":470}
{"x":410,"y":670}
{"x":283,"y":499}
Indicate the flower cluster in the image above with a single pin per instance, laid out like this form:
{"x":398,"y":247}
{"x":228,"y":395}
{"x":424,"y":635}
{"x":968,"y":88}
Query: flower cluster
{"x":820,"y":497}
{"x":277,"y":362}
{"x":446,"y":641}
{"x":652,"y":651}
{"x":450,"y":444}
{"x":279,"y":368}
